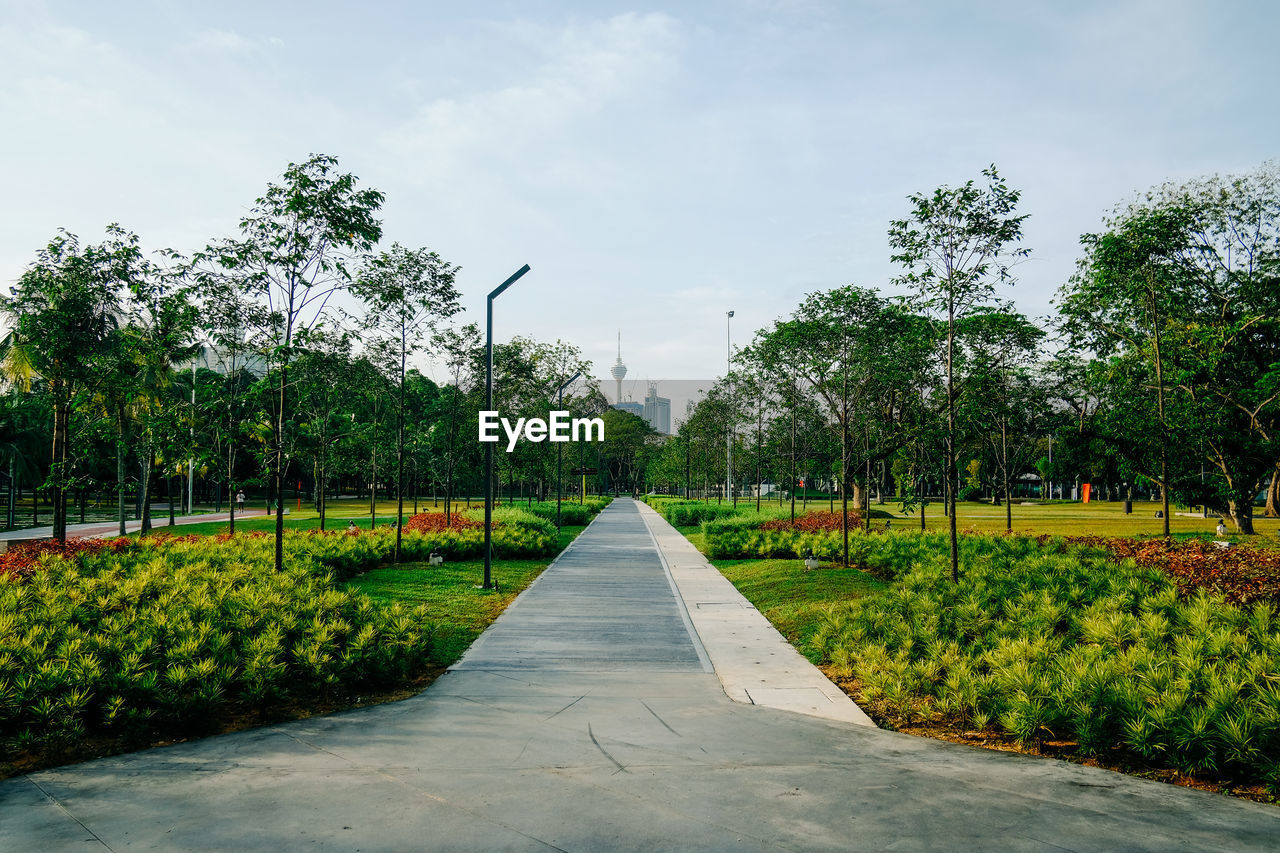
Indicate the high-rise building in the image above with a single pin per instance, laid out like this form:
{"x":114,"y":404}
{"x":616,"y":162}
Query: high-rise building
{"x":657,"y":410}
{"x":634,"y":408}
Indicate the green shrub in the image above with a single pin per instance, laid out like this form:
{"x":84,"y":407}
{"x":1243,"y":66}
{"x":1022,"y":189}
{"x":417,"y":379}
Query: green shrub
{"x":1044,"y":641}
{"x":571,"y":512}
{"x":167,"y":637}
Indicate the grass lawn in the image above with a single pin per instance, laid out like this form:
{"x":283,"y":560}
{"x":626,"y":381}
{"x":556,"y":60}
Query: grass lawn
{"x":338,"y":514}
{"x":793,"y":599}
{"x":460,"y":610}
{"x":1064,"y":518}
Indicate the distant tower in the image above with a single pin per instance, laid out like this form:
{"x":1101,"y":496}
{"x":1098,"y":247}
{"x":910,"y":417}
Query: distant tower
{"x":619,"y":370}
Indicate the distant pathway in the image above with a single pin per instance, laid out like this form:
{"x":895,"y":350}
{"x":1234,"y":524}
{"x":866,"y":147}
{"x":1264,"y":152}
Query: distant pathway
{"x":586,"y":719}
{"x":106,"y":529}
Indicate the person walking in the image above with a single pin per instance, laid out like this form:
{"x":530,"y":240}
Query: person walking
{"x":240,"y":501}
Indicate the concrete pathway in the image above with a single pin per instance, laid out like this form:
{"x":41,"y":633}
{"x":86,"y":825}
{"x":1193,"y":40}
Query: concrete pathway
{"x":107,"y":529}
{"x":586,"y":719}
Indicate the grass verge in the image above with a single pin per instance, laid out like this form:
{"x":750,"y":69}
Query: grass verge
{"x":450,"y":597}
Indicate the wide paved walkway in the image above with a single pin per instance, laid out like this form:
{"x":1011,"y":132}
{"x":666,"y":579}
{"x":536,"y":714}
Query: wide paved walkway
{"x":586,"y":719}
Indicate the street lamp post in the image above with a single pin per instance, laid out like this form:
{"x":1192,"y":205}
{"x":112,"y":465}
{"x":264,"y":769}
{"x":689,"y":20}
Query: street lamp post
{"x":728,"y":447}
{"x":488,"y":405}
{"x":560,"y":449}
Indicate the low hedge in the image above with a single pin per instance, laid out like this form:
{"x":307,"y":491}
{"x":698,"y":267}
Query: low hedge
{"x":1063,"y":642}
{"x":167,"y":636}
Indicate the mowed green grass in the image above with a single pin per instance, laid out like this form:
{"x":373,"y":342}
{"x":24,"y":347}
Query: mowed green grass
{"x":1061,"y":518}
{"x":794,"y":599}
{"x":338,"y":514}
{"x":449,"y":593}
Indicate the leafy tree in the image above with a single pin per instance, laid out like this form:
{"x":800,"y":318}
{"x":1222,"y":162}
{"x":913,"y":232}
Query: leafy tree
{"x":1000,"y":347}
{"x":1184,"y":282}
{"x":406,"y":292}
{"x":322,"y":371}
{"x":63,"y":313}
{"x":294,"y":251}
{"x":460,"y":348}
{"x":956,"y":245}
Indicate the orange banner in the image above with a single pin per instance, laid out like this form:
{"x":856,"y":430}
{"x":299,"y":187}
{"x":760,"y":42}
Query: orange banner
{"x":1086,"y":492}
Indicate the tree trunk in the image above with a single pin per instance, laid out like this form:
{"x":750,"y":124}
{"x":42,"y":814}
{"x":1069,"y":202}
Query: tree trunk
{"x":321,"y":492}
{"x":1164,"y":436}
{"x":231,"y":485}
{"x":61,"y":412}
{"x":13,"y":482}
{"x":169,"y":484}
{"x":1273,"y":495}
{"x":144,"y":491}
{"x":120,"y":475}
{"x":1004,"y":475}
{"x":279,"y":466}
{"x":844,"y":471}
{"x":1242,"y":516}
{"x":373,"y":489}
{"x":921,"y":498}
{"x":951,"y":437}
{"x":400,"y":461}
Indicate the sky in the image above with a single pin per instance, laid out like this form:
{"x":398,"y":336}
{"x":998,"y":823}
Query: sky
{"x":655,"y":165}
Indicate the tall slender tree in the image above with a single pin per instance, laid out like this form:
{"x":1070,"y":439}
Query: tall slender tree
{"x":957,"y":244}
{"x":407,"y":293}
{"x":295,"y":251}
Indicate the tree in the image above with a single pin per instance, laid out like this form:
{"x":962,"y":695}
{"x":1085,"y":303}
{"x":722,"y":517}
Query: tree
{"x":460,"y":347}
{"x":294,"y":251}
{"x":407,"y":292}
{"x":230,"y":319}
{"x":1000,"y":346}
{"x":322,"y":371}
{"x":1184,"y":283}
{"x":162,"y":321}
{"x":859,"y":355}
{"x":63,"y":313}
{"x":956,"y":245}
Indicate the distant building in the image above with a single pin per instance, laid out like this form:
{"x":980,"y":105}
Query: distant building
{"x":618,"y":371}
{"x":657,"y":410}
{"x":634,"y":408}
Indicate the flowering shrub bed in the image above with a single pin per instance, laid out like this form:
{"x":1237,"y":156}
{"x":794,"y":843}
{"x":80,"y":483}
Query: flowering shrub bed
{"x":814,"y":521}
{"x":434,"y":522}
{"x":751,"y":536}
{"x":1068,"y":645}
{"x":22,"y":558}
{"x":1242,"y":575}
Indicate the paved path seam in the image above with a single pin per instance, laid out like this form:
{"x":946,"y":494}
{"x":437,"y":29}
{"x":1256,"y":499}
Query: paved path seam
{"x":755,"y":664}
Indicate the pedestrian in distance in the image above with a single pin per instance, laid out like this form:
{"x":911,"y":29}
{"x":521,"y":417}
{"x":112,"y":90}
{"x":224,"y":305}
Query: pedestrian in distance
{"x":240,"y":501}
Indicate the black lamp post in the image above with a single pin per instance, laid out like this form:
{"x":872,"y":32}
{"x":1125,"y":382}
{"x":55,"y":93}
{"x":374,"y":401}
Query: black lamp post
{"x":560,"y":449}
{"x":488,"y":445}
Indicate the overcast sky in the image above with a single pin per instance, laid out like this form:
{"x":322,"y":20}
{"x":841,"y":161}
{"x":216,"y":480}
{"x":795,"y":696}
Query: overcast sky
{"x":656,"y":165}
